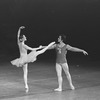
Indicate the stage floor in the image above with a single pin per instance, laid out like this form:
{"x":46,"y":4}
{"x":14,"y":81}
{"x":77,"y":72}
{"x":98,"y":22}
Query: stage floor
{"x":42,"y":81}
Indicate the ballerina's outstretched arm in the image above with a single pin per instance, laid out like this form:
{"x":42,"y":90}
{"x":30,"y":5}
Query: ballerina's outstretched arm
{"x":32,"y":49}
{"x":40,"y":47}
{"x":19,"y":31}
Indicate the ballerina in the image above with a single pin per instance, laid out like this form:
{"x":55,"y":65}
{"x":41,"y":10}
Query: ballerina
{"x":25,"y":58}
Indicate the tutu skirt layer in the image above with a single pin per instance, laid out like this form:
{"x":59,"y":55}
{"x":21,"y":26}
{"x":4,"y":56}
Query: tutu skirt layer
{"x":19,"y":62}
{"x":31,"y":57}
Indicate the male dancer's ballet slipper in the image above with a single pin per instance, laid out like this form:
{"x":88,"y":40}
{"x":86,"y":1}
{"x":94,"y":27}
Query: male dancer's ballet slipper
{"x":72,"y":88}
{"x":58,"y":89}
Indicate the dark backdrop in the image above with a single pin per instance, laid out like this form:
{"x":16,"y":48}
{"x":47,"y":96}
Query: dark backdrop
{"x":44,"y":20}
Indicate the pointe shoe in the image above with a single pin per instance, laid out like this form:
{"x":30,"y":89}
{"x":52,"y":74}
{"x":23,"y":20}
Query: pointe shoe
{"x":58,"y":89}
{"x":26,"y":90}
{"x":51,"y":44}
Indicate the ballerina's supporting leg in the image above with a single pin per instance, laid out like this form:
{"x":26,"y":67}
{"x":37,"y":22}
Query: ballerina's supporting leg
{"x":25,"y":71}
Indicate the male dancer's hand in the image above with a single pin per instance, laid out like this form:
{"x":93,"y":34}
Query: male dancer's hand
{"x":85,"y":53}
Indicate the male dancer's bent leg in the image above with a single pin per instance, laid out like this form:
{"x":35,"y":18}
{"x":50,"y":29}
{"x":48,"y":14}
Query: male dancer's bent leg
{"x":66,"y":70}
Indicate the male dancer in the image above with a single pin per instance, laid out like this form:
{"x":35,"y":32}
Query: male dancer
{"x":61,"y":62}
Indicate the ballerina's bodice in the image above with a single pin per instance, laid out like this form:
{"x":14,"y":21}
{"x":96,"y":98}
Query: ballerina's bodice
{"x":22,"y":49}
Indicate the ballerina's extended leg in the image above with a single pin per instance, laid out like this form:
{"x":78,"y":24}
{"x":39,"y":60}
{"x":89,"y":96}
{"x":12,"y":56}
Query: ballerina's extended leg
{"x":43,"y":50}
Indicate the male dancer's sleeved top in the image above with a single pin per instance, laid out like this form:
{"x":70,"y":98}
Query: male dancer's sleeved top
{"x":61,"y":54}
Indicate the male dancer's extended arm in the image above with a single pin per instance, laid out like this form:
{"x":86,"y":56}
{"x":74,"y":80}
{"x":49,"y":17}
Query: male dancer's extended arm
{"x":76,"y":49}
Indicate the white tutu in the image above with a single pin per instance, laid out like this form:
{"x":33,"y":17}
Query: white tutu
{"x":31,"y":57}
{"x":19,"y":62}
